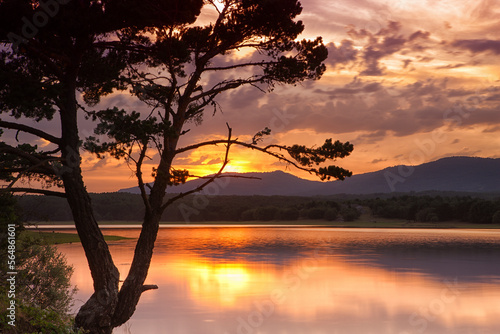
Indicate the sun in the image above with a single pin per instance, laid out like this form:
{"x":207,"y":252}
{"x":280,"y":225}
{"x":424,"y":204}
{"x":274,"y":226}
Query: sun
{"x":233,"y":169}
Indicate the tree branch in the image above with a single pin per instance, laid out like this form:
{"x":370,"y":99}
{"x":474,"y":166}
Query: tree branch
{"x":138,"y":173}
{"x":31,"y":169}
{"x":34,"y":191}
{"x":45,"y":58}
{"x":147,"y":287}
{"x":216,"y":91}
{"x":29,"y":157}
{"x":227,"y":86}
{"x":31,"y":130}
{"x":240,"y":65}
{"x":266,"y":150}
{"x":211,"y":179}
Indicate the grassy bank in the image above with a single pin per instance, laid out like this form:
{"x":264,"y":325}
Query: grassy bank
{"x":55,"y":238}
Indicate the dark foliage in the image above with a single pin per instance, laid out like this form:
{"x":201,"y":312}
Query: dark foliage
{"x":434,"y":208}
{"x":91,"y":48}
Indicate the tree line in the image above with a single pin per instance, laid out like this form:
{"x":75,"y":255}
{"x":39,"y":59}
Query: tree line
{"x":199,"y":208}
{"x":435,"y":208}
{"x":128,"y":207}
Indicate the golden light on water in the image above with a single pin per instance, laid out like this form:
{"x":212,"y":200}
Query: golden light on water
{"x":200,"y":279}
{"x":222,"y":283}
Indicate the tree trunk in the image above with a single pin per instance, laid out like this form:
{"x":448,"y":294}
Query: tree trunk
{"x":133,"y":286}
{"x":96,"y":314}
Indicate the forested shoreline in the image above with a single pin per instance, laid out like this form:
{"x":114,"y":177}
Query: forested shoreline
{"x":434,"y":208}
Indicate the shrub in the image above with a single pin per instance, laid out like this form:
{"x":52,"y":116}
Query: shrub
{"x":266,"y":213}
{"x":43,"y":290}
{"x":248,"y":215}
{"x":288,"y":214}
{"x":315,"y":213}
{"x":349,"y":214}
{"x":481,"y":212}
{"x":331,"y":214}
{"x":426,"y":215}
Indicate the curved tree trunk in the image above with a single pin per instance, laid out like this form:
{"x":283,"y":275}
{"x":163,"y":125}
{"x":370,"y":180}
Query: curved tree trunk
{"x":96,"y":314}
{"x":133,"y":286}
{"x":109,"y":307}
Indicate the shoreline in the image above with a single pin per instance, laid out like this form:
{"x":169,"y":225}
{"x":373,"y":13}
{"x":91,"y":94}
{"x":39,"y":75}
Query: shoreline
{"x":396,"y":224}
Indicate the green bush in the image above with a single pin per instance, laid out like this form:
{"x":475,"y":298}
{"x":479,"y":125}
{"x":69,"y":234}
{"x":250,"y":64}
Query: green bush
{"x":331,"y":214}
{"x":288,"y":214}
{"x":349,"y":214}
{"x":481,"y":212}
{"x":43,"y":294}
{"x":266,"y":213}
{"x":315,"y":213}
{"x":248,"y":215}
{"x":426,"y":215}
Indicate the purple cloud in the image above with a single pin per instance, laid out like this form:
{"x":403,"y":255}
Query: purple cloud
{"x":387,"y":41}
{"x":478,"y":45}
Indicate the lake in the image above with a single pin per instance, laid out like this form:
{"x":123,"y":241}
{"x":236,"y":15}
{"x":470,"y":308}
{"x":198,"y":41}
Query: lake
{"x":311,"y":280}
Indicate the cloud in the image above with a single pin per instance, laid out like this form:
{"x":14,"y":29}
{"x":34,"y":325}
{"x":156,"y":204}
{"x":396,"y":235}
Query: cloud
{"x":357,"y":86}
{"x":215,"y":161}
{"x":492,"y":129}
{"x":100,"y":164}
{"x":381,"y":109}
{"x":419,"y":34}
{"x":387,"y":41}
{"x":342,"y":54}
{"x":495,"y":97}
{"x":478,"y":45}
{"x":451,"y":66}
{"x":406,"y":63}
{"x":370,"y":137}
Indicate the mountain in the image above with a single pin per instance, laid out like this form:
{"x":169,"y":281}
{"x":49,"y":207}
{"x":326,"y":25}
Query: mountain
{"x":461,"y":174}
{"x":266,"y":184}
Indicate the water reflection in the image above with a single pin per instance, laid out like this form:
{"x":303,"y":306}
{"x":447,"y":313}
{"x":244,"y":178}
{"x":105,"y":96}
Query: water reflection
{"x":291,"y":281}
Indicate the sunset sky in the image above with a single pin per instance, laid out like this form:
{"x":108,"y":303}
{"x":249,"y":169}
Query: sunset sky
{"x":407,"y":82}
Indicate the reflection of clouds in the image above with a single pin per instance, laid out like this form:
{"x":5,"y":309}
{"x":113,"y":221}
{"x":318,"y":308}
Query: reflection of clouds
{"x":328,"y":278}
{"x":333,"y":288}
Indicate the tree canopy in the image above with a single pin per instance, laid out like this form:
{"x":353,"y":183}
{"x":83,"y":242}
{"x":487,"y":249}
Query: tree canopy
{"x":59,"y":51}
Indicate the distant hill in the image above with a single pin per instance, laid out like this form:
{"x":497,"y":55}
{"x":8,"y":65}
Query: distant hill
{"x":460,"y":174}
{"x":457,"y":174}
{"x":247,"y":184}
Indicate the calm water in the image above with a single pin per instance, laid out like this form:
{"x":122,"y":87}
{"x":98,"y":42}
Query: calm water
{"x":237,"y":280}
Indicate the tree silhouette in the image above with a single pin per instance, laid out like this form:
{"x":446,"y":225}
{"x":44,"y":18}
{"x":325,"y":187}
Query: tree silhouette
{"x":152,"y":47}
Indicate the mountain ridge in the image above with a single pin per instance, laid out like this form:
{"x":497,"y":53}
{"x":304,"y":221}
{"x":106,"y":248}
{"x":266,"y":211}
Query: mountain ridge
{"x":461,"y":174}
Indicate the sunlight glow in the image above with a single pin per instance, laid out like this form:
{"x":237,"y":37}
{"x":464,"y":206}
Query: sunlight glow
{"x":233,"y":169}
{"x":220,"y":282}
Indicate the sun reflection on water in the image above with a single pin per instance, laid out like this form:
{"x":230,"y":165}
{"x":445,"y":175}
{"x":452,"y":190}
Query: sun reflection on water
{"x":208,"y":280}
{"x":223,"y":282}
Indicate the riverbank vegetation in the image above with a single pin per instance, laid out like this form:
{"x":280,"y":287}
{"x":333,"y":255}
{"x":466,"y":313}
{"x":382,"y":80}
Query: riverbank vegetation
{"x":406,"y":209}
{"x":52,"y":238}
{"x":36,"y":293}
